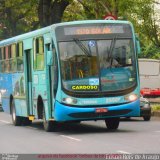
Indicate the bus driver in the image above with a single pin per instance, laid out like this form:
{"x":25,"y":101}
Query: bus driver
{"x":107,"y":62}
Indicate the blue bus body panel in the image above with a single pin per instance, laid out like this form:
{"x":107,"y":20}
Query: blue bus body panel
{"x":6,"y":86}
{"x":68,"y":113}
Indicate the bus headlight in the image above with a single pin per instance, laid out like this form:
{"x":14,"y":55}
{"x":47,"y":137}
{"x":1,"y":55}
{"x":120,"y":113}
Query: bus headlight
{"x":131,"y":97}
{"x":69,"y":100}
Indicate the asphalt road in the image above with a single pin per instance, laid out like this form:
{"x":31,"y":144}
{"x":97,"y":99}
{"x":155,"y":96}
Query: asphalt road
{"x":133,"y":136}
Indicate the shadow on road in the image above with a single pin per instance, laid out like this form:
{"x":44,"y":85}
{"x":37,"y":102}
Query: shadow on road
{"x":81,"y":128}
{"x":85,"y":127}
{"x":137,"y":119}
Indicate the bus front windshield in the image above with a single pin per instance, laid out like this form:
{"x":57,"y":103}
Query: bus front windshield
{"x":97,"y":65}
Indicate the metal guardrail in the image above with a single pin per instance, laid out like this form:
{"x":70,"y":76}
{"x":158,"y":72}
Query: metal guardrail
{"x":154,"y":100}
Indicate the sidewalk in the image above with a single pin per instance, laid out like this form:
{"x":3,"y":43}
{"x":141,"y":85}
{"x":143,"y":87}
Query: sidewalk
{"x":155,"y":101}
{"x":156,"y":113}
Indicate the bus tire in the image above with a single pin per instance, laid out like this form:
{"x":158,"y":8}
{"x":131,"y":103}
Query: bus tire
{"x":112,"y":123}
{"x":16,"y":120}
{"x":147,"y":118}
{"x":48,"y":125}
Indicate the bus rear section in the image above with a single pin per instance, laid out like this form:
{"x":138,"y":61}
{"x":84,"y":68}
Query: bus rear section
{"x":149,"y":77}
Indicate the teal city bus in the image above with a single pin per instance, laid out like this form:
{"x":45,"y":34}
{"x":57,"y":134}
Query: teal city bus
{"x":58,"y":73}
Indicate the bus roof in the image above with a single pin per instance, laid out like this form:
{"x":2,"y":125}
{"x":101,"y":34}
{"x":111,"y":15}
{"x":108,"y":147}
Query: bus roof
{"x":51,"y":27}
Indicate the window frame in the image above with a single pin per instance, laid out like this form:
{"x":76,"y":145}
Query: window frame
{"x":13,"y":58}
{"x":7,"y":59}
{"x":2,"y":60}
{"x":19,"y":56}
{"x":38,"y":50}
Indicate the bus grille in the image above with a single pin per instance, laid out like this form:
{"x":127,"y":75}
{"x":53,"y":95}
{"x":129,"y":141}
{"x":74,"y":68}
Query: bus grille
{"x":100,"y":115}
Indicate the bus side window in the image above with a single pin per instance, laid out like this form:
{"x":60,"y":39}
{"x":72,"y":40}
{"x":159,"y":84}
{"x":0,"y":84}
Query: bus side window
{"x":7,"y":54}
{"x":1,"y":60}
{"x":20,"y":65}
{"x":13,"y":58}
{"x":39,"y":53}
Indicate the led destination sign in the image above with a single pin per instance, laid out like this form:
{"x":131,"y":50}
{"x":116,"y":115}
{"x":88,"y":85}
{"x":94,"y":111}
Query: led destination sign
{"x":90,"y":30}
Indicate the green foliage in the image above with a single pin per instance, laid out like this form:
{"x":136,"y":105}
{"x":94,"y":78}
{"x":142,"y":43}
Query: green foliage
{"x":139,"y":12}
{"x":155,"y":107}
{"x":17,"y":17}
{"x":150,"y":51}
{"x":72,"y":14}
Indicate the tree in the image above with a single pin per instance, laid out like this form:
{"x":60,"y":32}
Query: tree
{"x":17,"y":17}
{"x":51,"y":11}
{"x":143,"y":18}
{"x":72,"y":14}
{"x":140,"y":12}
{"x":99,"y":8}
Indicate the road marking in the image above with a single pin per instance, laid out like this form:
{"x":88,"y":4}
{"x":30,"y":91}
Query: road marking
{"x":72,"y":138}
{"x":5,"y":122}
{"x":123,"y":152}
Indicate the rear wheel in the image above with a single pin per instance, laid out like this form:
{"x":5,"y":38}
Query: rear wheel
{"x":112,"y":123}
{"x":147,"y":118}
{"x":17,"y":120}
{"x":48,"y":125}
{"x":26,"y":121}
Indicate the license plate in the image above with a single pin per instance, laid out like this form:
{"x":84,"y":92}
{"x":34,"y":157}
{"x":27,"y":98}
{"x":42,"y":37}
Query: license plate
{"x":101,"y":110}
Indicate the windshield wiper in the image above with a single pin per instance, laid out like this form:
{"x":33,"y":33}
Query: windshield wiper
{"x":111,"y":50}
{"x":82,"y":47}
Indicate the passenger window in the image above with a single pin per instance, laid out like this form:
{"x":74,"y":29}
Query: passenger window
{"x":39,"y":53}
{"x":13,"y":51}
{"x":4,"y":53}
{"x":9,"y":52}
{"x":1,"y":61}
{"x":7,"y":62}
{"x":0,"y":54}
{"x":20,"y":65}
{"x":13,"y":58}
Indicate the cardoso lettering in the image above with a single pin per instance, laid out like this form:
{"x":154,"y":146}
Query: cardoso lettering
{"x":87,"y":87}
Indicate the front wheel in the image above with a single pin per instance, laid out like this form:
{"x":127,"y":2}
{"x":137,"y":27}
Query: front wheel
{"x":47,"y":124}
{"x":16,"y":120}
{"x":112,"y":123}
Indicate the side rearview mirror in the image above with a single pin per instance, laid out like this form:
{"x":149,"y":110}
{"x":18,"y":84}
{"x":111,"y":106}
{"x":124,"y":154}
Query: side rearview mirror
{"x":138,"y":48}
{"x":49,"y":58}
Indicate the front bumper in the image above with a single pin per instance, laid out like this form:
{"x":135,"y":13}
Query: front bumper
{"x":70,"y":113}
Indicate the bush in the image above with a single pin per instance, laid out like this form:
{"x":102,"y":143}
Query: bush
{"x":156,"y":107}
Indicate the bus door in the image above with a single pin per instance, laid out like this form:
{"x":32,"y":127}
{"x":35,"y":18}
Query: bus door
{"x":28,"y":75}
{"x":52,"y":77}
